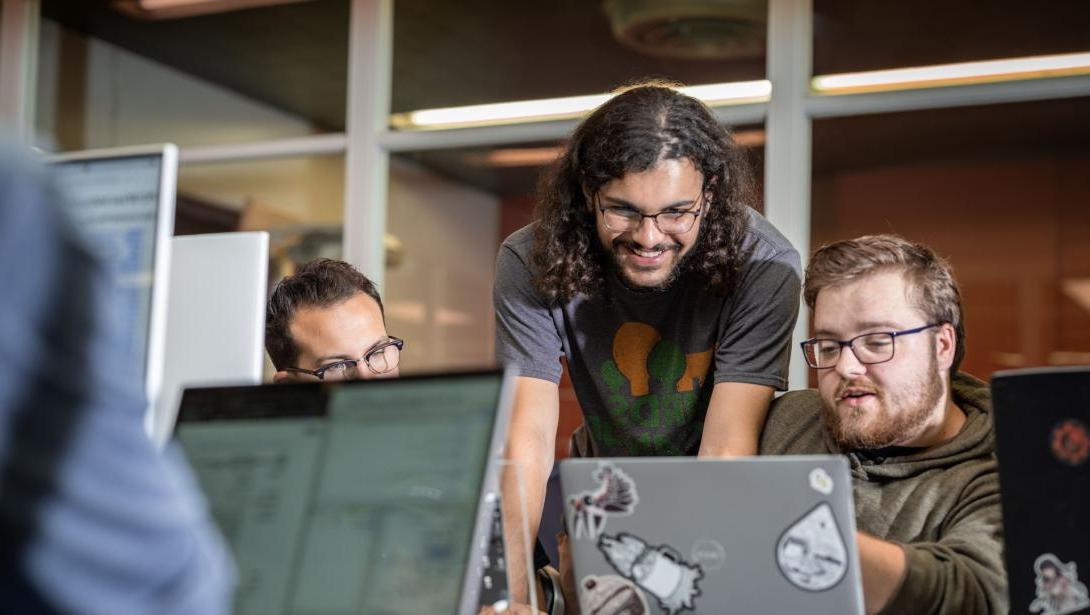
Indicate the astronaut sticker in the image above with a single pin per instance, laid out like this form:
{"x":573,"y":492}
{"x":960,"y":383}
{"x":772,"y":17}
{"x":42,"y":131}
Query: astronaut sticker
{"x":615,"y":495}
{"x":659,"y":571}
{"x":1058,"y":588}
{"x":811,"y":553}
{"x":611,"y":595}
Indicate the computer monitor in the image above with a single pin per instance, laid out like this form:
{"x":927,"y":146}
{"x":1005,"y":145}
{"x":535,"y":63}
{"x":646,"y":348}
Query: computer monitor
{"x":122,"y":200}
{"x":215,"y":318}
{"x":371,"y":496}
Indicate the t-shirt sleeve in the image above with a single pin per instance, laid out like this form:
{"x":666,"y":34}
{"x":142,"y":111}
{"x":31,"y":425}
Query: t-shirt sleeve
{"x":526,"y":336}
{"x":755,"y":337}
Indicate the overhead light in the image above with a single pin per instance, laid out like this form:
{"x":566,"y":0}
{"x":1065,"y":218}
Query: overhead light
{"x":513,"y":157}
{"x":953,"y":74}
{"x":171,"y":9}
{"x":716,"y":94}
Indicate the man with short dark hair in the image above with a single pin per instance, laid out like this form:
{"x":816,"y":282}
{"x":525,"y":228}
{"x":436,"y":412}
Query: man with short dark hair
{"x":647,"y":269}
{"x":888,"y":339}
{"x":326,"y":322}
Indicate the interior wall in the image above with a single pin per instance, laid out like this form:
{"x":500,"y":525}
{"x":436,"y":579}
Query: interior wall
{"x":1017,"y":233}
{"x":438,"y":293}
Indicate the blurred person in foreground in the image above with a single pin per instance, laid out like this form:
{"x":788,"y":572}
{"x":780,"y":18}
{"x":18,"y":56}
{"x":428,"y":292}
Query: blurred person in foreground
{"x":888,"y":340}
{"x":93,"y":519}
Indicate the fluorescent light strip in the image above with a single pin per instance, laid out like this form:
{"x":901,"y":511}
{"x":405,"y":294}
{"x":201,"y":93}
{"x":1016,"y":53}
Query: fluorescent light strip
{"x":715,"y":94}
{"x":953,"y":74}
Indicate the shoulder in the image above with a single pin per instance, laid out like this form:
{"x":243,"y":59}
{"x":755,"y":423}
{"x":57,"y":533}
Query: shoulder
{"x":793,"y":425}
{"x":764,"y":242}
{"x":520,"y":243}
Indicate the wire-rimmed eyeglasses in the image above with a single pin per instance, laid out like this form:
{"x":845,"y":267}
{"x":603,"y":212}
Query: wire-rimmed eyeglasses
{"x":380,"y":358}
{"x":869,"y":348}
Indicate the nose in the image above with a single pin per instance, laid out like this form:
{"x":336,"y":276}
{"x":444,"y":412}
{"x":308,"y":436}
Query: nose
{"x":848,"y":365}
{"x":647,"y":234}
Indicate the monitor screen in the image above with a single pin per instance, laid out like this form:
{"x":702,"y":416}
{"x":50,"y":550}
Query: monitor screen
{"x":123,"y":202}
{"x":357,"y":498}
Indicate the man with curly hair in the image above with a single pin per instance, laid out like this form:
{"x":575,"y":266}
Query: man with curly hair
{"x":646,"y":269}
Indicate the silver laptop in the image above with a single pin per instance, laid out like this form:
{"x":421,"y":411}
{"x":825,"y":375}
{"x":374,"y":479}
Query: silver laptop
{"x":372,"y":496}
{"x":673,"y":535}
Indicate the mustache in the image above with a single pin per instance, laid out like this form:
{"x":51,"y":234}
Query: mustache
{"x":632,"y":245}
{"x":861,"y":385}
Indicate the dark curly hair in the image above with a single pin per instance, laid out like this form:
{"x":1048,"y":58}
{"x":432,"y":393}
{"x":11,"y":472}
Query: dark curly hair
{"x":632,"y":132}
{"x":320,"y":283}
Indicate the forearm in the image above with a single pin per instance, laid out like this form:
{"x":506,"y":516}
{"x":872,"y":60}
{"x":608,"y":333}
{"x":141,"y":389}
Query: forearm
{"x":736,"y":414}
{"x":882,"y":567}
{"x":523,"y":487}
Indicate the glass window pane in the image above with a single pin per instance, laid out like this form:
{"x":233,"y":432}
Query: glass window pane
{"x":106,"y":78}
{"x":479,"y":51}
{"x":300,"y":201}
{"x":1000,"y":190}
{"x":850,"y":35}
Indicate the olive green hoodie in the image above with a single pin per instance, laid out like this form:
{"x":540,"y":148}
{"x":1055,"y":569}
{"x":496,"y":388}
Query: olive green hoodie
{"x":940,"y":504}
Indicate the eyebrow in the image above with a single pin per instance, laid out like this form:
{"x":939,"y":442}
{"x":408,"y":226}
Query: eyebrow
{"x":624,"y":203}
{"x":882,"y":324}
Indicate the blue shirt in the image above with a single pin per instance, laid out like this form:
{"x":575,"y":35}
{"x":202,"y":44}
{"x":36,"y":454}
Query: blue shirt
{"x":93,"y":519}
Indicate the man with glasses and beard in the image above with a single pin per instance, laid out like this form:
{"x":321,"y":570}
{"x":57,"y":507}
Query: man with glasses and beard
{"x":326,"y":323}
{"x":888,"y":339}
{"x":647,"y":270}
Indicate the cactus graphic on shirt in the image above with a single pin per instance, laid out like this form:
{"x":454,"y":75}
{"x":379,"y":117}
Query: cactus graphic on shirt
{"x":652,"y":388}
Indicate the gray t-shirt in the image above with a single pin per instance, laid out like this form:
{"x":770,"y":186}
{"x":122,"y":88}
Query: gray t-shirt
{"x":640,"y":361}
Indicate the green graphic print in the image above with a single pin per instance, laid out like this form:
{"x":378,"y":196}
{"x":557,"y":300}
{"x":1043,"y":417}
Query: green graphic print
{"x":654,"y":396}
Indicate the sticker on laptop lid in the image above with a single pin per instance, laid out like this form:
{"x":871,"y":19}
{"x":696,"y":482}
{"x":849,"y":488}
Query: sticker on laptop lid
{"x":615,"y":495}
{"x":811,"y":553}
{"x":659,"y":571}
{"x":820,"y":481}
{"x":610,"y":594}
{"x":1058,"y":588}
{"x":1070,"y":442}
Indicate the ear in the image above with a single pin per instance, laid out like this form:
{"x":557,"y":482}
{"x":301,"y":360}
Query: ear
{"x":946,"y":345}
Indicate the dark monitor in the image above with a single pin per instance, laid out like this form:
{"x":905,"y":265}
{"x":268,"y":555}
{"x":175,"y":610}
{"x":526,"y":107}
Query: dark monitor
{"x":357,"y":497}
{"x":1042,"y":420}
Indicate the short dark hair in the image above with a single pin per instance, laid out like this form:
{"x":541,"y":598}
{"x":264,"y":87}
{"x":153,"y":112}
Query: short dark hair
{"x":632,"y":132}
{"x":930,"y":277}
{"x":320,"y":283}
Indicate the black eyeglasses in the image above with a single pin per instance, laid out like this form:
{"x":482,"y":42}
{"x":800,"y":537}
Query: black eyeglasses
{"x":379,"y":358}
{"x":669,"y":221}
{"x":869,"y":348}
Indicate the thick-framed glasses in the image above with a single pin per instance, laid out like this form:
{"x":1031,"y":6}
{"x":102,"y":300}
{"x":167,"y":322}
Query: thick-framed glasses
{"x":670,"y":221}
{"x":869,"y":348}
{"x":379,"y":358}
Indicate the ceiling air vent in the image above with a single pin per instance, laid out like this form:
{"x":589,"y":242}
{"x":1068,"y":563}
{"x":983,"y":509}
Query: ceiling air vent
{"x":690,"y":29}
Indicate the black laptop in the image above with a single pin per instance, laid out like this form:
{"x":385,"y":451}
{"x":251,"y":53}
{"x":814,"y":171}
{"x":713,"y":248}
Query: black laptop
{"x":1042,"y":419}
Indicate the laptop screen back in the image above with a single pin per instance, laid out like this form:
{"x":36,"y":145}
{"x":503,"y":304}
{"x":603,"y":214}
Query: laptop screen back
{"x":361,"y":497}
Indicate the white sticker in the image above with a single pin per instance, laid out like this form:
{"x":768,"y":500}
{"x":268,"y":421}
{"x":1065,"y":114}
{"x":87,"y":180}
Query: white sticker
{"x":659,"y":571}
{"x":615,"y":495}
{"x":820,"y":481}
{"x":811,"y":553}
{"x":610,"y":594}
{"x":1058,"y":588}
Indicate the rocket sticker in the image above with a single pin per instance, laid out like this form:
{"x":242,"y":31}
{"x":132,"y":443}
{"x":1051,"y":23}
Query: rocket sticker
{"x":659,"y":571}
{"x":610,"y":594}
{"x":811,"y":553}
{"x":1059,"y":590}
{"x":615,"y":495}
